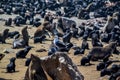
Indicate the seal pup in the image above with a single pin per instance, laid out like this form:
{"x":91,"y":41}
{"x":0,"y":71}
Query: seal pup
{"x":4,"y":35}
{"x":11,"y":66}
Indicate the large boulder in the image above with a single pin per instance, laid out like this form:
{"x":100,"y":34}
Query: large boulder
{"x":55,"y":67}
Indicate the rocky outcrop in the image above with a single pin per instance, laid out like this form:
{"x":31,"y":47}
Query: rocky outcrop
{"x":55,"y":67}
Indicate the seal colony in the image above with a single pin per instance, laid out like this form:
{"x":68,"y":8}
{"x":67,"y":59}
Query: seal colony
{"x":85,"y":31}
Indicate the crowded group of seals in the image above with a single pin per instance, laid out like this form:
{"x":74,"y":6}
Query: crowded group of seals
{"x":54,"y":21}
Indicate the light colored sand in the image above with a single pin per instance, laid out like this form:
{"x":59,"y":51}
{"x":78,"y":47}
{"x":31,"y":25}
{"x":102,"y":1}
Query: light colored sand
{"x":89,"y":72}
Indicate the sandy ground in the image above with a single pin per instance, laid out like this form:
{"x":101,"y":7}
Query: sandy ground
{"x":89,"y":72}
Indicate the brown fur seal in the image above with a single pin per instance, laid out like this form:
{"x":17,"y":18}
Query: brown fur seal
{"x":89,"y":7}
{"x":116,"y":16}
{"x":39,"y":32}
{"x":43,"y":29}
{"x":102,"y":52}
{"x":4,"y":35}
{"x":83,"y":12}
{"x":109,"y":24}
{"x":25,"y":35}
{"x":48,"y":17}
{"x":47,"y":26}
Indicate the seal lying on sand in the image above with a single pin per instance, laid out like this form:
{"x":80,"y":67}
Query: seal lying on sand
{"x":20,"y":43}
{"x":102,"y":52}
{"x":23,"y":53}
{"x":99,"y":53}
{"x":43,"y":29}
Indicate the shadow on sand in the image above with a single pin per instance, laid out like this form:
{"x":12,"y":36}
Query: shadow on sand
{"x":4,"y":79}
{"x":9,"y":72}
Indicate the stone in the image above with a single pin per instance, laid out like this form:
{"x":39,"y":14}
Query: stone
{"x":8,"y":50}
{"x":55,"y":67}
